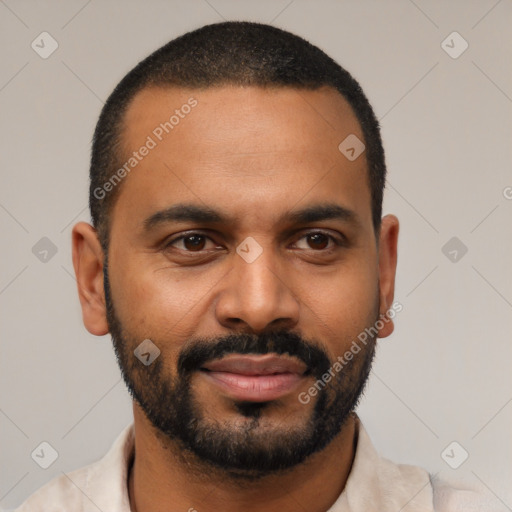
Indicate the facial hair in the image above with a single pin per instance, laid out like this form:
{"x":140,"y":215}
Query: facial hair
{"x":253,"y":447}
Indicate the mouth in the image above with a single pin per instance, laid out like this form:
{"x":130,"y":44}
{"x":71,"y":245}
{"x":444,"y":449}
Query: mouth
{"x":255,"y":378}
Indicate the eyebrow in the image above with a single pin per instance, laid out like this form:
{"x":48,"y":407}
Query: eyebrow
{"x":185,"y":212}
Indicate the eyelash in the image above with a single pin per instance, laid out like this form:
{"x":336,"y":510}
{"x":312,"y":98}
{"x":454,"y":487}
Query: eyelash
{"x":336,"y":242}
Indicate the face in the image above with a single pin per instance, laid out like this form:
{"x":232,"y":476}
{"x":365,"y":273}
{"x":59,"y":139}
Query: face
{"x":242,"y":246}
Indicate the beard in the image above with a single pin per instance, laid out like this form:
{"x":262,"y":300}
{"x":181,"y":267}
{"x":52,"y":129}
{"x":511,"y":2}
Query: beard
{"x":253,"y":441}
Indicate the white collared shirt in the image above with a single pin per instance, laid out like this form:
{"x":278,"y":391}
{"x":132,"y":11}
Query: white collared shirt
{"x":374,"y":484}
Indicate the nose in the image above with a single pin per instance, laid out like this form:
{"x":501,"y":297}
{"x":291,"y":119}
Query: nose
{"x":257,"y":296}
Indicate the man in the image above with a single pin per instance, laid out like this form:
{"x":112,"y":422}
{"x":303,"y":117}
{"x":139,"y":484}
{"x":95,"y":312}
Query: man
{"x":240,"y":262}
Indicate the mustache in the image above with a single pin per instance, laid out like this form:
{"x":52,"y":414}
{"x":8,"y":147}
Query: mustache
{"x":200,"y":352}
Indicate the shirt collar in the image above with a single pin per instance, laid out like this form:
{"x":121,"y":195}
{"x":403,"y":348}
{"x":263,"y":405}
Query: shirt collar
{"x":373,"y":483}
{"x":376,"y":483}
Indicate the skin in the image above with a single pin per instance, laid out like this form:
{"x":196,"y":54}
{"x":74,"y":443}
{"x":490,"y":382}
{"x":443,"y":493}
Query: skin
{"x":254,"y":154}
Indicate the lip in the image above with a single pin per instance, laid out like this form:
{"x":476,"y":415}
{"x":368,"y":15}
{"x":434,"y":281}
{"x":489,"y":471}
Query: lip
{"x":255,"y":378}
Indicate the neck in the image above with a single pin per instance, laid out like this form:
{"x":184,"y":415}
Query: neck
{"x":162,"y":479}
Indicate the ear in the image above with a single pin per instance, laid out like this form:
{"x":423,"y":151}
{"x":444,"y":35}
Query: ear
{"x":88,"y":264}
{"x":388,"y":242}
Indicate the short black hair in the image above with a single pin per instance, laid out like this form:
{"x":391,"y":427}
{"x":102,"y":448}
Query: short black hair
{"x":229,"y":53}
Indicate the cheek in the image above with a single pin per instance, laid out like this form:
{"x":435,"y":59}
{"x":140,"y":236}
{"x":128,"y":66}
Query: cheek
{"x":342,"y":304}
{"x":162,"y":302}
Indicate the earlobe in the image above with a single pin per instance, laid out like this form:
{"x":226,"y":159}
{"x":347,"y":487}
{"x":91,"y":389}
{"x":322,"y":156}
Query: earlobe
{"x":88,"y":265}
{"x":388,"y":255}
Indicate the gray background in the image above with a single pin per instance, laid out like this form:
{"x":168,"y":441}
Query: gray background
{"x":443,"y":376}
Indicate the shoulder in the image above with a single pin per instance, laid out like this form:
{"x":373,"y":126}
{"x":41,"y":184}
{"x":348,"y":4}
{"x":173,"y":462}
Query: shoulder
{"x":377,"y":480}
{"x":97,"y":486}
{"x":463,"y":495}
{"x":61,"y":494}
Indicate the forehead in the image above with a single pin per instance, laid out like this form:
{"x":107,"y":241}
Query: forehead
{"x":247,"y":115}
{"x":253,"y":149}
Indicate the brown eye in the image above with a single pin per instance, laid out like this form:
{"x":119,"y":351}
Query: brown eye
{"x":193,"y":242}
{"x":318,"y":241}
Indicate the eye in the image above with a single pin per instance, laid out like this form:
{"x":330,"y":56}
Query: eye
{"x":319,"y":241}
{"x":190,"y":242}
{"x":196,"y":242}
